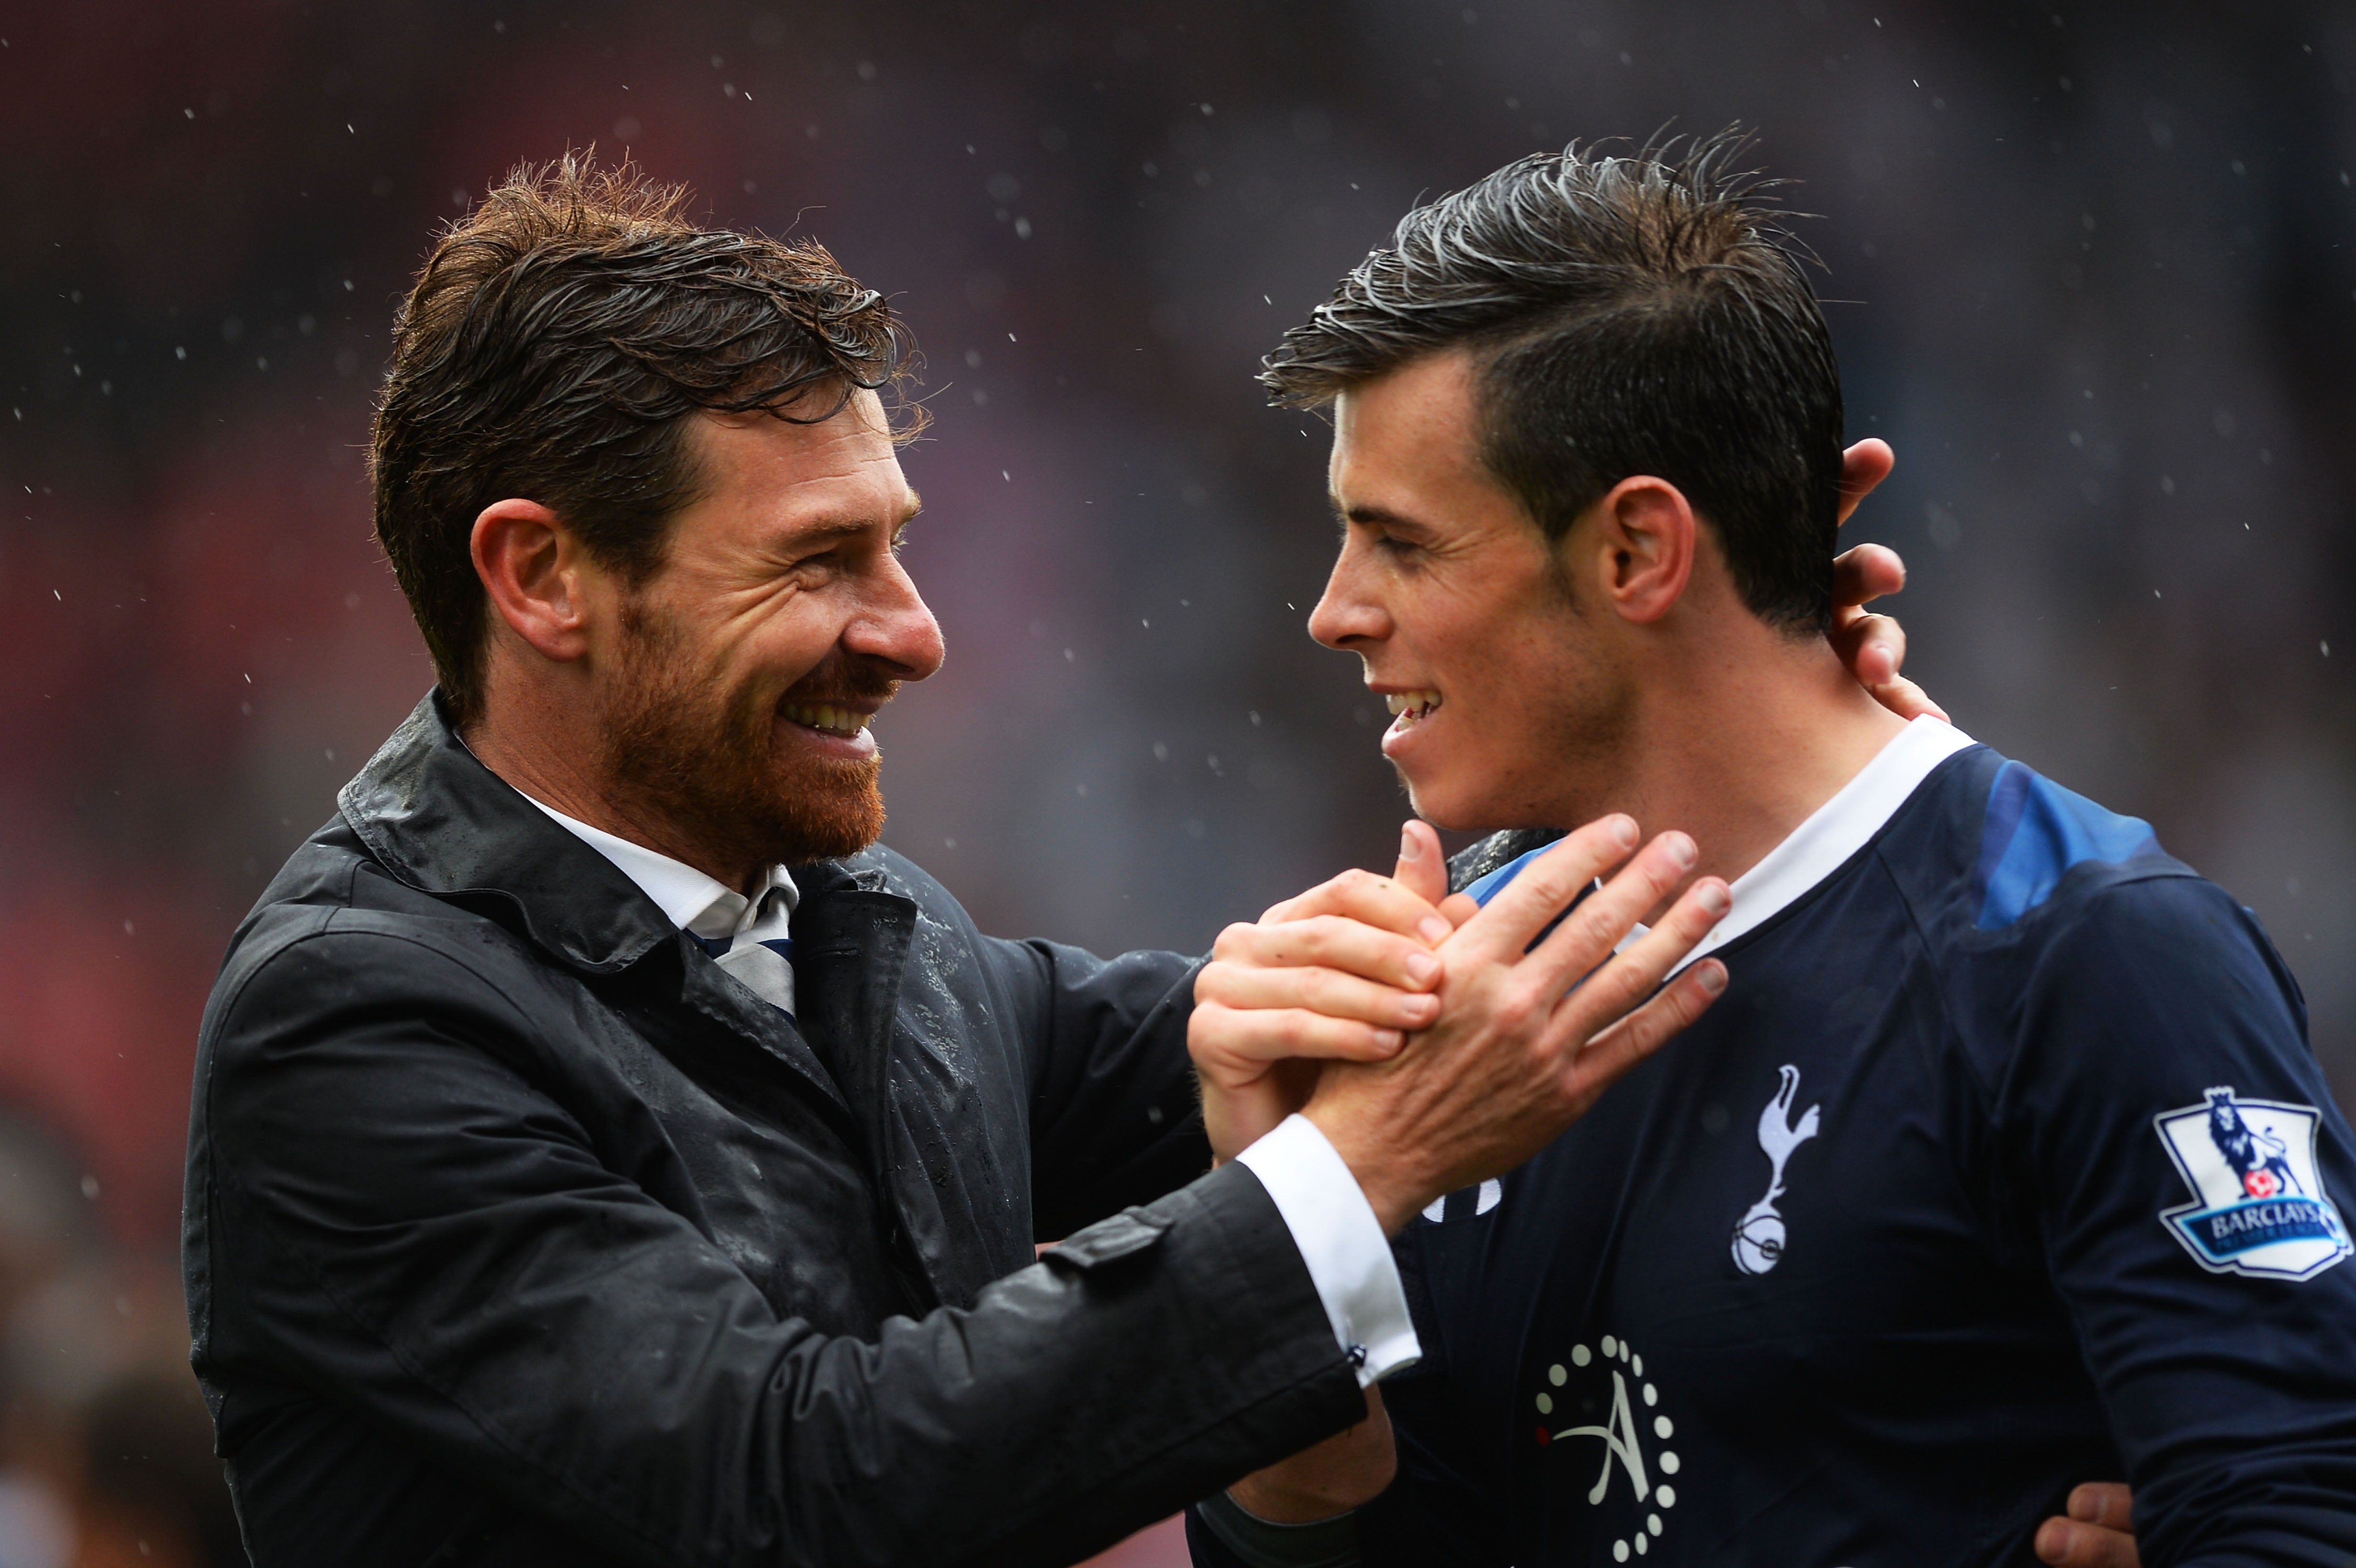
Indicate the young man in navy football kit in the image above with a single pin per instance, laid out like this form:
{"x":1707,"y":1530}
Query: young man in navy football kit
{"x":2003,"y":1163}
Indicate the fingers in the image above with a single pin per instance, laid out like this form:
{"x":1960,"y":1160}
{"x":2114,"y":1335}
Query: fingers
{"x":1423,"y":868}
{"x":1872,"y":647}
{"x":2067,"y":1545}
{"x":2099,"y":1532}
{"x":1331,"y":942}
{"x":1604,"y":1059}
{"x":1595,"y":1009}
{"x":1330,"y":992}
{"x":1866,"y":572}
{"x":1863,"y":466}
{"x":2109,"y":1504}
{"x":1906,"y":700}
{"x":1503,"y":930}
{"x":1233,"y":1045}
{"x":1382,"y":902}
{"x":1586,"y":936}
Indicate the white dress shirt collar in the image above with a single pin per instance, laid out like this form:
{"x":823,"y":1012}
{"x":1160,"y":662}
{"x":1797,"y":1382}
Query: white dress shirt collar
{"x":688,"y":898}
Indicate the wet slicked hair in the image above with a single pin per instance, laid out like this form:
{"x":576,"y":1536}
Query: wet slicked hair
{"x":1640,"y":314}
{"x":556,"y":341}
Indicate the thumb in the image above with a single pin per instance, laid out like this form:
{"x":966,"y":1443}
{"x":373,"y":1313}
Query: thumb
{"x":1422,"y":870}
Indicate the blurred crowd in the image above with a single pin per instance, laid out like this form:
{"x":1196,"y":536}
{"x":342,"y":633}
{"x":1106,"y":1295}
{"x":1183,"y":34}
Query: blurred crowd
{"x":2089,"y":266}
{"x":105,"y":1448}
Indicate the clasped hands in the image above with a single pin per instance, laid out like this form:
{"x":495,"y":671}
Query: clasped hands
{"x":1312,"y":1008}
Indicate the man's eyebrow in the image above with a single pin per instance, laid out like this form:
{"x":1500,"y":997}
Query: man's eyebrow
{"x":1381,"y":517}
{"x":843,"y":527}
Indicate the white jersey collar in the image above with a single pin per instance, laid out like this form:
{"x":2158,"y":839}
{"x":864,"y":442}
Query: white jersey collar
{"x":1835,"y":830}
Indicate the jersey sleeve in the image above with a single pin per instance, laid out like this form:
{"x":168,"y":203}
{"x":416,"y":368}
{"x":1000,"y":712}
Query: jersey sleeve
{"x":2165,"y":1128}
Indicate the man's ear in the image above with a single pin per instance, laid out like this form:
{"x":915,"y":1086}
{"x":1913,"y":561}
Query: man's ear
{"x":536,"y":575}
{"x":1643,"y":547}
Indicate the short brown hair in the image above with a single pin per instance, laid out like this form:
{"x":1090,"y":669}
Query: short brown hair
{"x":1629,"y":315}
{"x":556,"y":340}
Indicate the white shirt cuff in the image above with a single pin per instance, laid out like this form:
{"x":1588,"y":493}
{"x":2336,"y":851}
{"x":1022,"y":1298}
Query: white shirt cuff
{"x":1342,"y":1241}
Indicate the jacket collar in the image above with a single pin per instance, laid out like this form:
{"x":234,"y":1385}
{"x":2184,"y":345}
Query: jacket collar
{"x":434,"y":816}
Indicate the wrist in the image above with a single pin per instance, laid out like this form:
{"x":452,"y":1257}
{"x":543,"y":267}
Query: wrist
{"x":1387,"y":1175}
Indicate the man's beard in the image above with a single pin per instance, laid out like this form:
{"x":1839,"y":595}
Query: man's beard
{"x":709,"y":762}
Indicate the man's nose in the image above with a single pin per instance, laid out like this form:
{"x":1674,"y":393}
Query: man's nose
{"x":897,"y":627}
{"x":1344,"y":614}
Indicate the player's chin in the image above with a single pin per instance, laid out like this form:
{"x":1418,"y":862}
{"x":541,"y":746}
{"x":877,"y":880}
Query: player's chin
{"x":1447,"y":799}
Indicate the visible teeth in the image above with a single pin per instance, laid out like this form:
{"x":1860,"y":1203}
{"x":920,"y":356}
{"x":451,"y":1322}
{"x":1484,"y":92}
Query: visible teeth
{"x":825,"y":716}
{"x":1415,"y":705}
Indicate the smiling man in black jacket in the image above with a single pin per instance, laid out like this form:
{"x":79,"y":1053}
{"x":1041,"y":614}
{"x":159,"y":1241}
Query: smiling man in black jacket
{"x":603,"y":1152}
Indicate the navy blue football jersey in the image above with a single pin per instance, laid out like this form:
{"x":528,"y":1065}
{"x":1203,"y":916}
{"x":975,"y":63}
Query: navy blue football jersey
{"x":2002,"y":1164}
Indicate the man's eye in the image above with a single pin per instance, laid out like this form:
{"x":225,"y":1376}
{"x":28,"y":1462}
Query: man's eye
{"x":1393,"y":545}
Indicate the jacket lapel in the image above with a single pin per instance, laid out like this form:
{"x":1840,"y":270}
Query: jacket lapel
{"x":713,"y":992}
{"x":928,"y":1140}
{"x":851,"y":947}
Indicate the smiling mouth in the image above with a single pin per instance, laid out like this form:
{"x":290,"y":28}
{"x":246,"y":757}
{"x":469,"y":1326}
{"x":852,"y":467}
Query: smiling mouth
{"x":1410,"y":708}
{"x":825,"y":718}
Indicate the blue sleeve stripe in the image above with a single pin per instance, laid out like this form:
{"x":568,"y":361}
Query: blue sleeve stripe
{"x":2034,"y":831}
{"x":1484,"y":889}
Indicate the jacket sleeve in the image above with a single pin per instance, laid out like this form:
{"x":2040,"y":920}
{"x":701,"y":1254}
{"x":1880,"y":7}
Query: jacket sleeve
{"x":2230,"y":1378}
{"x":399,"y":1214}
{"x":1115,"y":1117}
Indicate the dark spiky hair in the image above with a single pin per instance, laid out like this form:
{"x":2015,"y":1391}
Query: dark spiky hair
{"x":1632,"y":314}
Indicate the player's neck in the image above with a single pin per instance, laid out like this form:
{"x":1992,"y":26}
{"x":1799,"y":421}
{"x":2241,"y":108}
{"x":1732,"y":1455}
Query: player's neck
{"x":1740,"y":737}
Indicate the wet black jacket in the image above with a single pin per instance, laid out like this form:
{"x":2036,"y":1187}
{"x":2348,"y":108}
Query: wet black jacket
{"x":517,"y":1232}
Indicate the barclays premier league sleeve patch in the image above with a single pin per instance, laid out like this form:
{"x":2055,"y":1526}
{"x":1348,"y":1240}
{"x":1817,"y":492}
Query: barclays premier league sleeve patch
{"x":2262,"y":1209}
